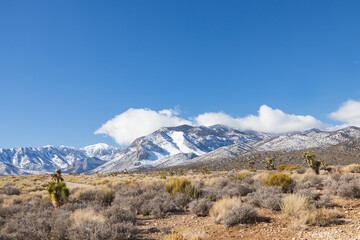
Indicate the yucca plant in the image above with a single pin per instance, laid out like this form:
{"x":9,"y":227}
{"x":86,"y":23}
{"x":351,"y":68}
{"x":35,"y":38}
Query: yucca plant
{"x":57,"y":189}
{"x":270,"y":163}
{"x":312,"y":162}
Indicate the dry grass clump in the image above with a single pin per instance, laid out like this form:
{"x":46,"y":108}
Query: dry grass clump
{"x":86,"y":216}
{"x":230,"y":211}
{"x":302,"y":213}
{"x":352,"y":168}
{"x":182,"y":185}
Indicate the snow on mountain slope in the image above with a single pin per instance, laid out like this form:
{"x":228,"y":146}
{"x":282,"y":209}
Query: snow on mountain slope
{"x":167,"y":147}
{"x":284,"y":143}
{"x":306,"y":140}
{"x":49,"y":158}
{"x":102,"y":151}
{"x":177,"y":145}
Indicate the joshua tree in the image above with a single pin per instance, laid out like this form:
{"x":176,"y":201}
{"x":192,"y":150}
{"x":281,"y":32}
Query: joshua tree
{"x":270,"y":163}
{"x":312,"y":162}
{"x":57,"y":189}
{"x":56,"y":177}
{"x":251,"y":164}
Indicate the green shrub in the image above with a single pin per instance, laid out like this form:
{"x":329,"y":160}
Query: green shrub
{"x":279,"y":179}
{"x":58,"y":193}
{"x":57,"y":189}
{"x":181,"y":185}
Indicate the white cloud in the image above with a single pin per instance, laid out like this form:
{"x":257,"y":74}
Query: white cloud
{"x":268,"y":120}
{"x":134,"y":123}
{"x":348,"y":113}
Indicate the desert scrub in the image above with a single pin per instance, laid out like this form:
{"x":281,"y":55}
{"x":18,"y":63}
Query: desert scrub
{"x":352,"y":168}
{"x":266,"y":197}
{"x":279,"y":179}
{"x":8,"y":189}
{"x":239,"y":176}
{"x":302,"y":213}
{"x":346,"y":186}
{"x":230,"y":211}
{"x":200,"y":207}
{"x":288,"y":168}
{"x":182,"y":185}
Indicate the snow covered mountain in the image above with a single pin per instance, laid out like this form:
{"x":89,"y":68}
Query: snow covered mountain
{"x":29,"y":160}
{"x":282,"y":145}
{"x":309,"y":139}
{"x":171,"y":146}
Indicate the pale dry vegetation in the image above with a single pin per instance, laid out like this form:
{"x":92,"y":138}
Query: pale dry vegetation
{"x":110,"y":206}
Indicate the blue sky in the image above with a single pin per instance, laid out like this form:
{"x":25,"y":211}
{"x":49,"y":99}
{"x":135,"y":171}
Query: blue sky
{"x":68,"y":67}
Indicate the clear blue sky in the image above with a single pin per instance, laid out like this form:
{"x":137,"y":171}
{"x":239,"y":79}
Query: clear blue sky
{"x":66,"y":67}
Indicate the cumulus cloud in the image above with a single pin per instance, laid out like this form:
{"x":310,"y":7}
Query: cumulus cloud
{"x":348,"y":113}
{"x":134,"y":123}
{"x":268,"y":120}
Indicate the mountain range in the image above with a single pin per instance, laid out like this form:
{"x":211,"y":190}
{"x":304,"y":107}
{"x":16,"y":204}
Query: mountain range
{"x":186,"y":146}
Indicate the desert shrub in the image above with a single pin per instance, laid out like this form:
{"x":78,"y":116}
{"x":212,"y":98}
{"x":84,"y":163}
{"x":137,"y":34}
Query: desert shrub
{"x":239,"y":176}
{"x":266,"y":197}
{"x":347,"y":185}
{"x":8,"y":189}
{"x":237,"y":189}
{"x":181,"y":185}
{"x":230,"y":211}
{"x":324,"y":217}
{"x":350,"y":190}
{"x":28,"y":226}
{"x":88,"y":224}
{"x":85,"y":195}
{"x":105,"y":196}
{"x":288,"y":168}
{"x":314,"y":198}
{"x":97,"y":231}
{"x":157,"y":207}
{"x":181,"y":201}
{"x":279,"y":179}
{"x":200,"y":207}
{"x":352,"y":168}
{"x":312,"y":180}
{"x":212,"y":192}
{"x":115,"y":214}
{"x":301,"y":170}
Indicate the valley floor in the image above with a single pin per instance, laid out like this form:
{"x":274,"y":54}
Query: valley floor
{"x":189,"y":225}
{"x":159,"y":205}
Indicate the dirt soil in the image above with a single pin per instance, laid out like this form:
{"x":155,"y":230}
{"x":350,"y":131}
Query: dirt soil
{"x":189,"y":225}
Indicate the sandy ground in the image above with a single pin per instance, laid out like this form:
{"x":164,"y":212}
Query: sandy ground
{"x":190,"y":225}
